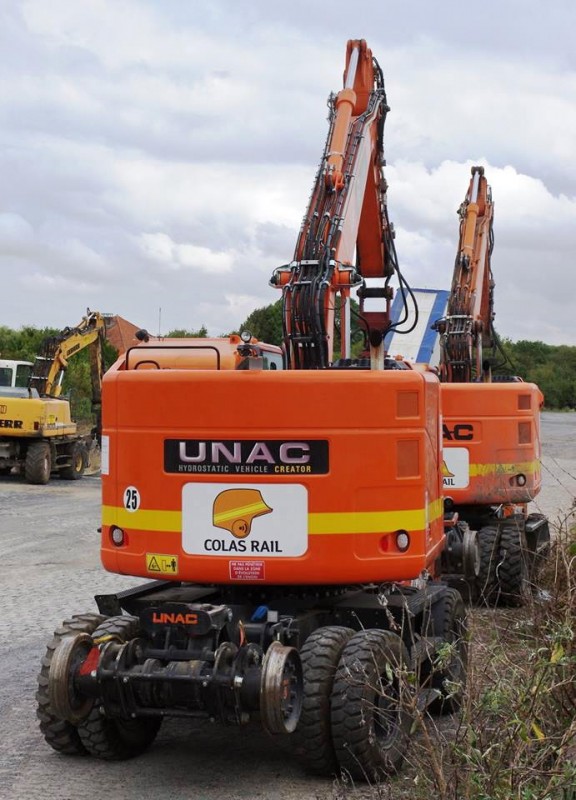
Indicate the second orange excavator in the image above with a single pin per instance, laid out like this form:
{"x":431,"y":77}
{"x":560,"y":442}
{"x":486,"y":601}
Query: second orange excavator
{"x":491,"y":427}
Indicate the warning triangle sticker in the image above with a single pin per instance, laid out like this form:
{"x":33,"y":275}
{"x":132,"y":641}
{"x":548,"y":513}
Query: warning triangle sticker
{"x":153,"y":565}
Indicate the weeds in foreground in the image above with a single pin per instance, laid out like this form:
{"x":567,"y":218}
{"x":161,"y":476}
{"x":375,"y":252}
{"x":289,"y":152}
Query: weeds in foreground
{"x":515,"y":736}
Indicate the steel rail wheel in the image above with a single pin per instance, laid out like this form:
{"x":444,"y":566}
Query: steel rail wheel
{"x":60,"y":734}
{"x":281,"y":689}
{"x":115,"y":738}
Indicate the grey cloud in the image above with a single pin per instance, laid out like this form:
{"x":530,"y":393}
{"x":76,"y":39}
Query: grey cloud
{"x":204,"y":123}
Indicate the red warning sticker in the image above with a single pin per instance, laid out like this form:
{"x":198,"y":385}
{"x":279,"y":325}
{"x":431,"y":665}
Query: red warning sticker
{"x":246,"y":570}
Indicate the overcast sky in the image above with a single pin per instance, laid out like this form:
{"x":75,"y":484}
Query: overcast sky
{"x":160,"y":153}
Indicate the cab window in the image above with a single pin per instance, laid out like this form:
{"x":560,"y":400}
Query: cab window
{"x":22,"y":375}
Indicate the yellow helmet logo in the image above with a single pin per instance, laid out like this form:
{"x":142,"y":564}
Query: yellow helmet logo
{"x":446,"y":472}
{"x":234,"y":510}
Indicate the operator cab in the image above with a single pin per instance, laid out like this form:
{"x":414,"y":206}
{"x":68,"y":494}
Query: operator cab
{"x":14,"y":373}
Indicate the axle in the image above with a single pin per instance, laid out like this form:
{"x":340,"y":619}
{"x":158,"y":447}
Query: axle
{"x":182,"y":668}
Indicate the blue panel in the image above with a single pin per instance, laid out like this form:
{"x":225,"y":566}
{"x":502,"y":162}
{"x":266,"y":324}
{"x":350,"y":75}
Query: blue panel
{"x":430,"y":336}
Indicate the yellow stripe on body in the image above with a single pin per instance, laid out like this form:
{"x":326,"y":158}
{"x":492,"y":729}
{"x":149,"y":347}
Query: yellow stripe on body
{"x":318,"y":524}
{"x":526,"y":467}
{"x":374,"y":521}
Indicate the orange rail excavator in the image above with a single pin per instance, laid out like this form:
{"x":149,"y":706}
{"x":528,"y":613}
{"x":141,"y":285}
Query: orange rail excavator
{"x":291,"y":519}
{"x":491,"y":430}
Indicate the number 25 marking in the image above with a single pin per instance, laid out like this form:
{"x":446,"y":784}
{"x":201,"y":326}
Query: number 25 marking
{"x":131,"y":498}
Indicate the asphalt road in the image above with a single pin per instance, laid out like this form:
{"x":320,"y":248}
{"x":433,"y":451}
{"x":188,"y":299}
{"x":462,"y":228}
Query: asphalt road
{"x":558,"y":467}
{"x":50,"y":569}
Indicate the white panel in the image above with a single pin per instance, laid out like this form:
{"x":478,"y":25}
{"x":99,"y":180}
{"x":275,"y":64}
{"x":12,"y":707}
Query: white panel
{"x":252,"y":520}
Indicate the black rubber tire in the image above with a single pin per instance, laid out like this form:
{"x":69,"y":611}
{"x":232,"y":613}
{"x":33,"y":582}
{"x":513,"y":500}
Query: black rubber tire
{"x":38,"y":464}
{"x":111,"y":738}
{"x":486,"y":582}
{"x":449,"y":622}
{"x":79,"y":459}
{"x":372,"y":706}
{"x":60,"y":734}
{"x":512,"y":571}
{"x":313,"y":736}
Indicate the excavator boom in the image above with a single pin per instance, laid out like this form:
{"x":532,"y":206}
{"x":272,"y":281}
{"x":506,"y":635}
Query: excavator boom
{"x":467,"y":328}
{"x":345,"y":238}
{"x":51,"y":363}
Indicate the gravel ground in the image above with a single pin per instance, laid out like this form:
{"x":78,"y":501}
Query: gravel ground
{"x":558,"y":467}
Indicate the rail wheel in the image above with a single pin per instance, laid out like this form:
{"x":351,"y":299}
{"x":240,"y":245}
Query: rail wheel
{"x":114,"y":738}
{"x":449,"y":673}
{"x":486,"y":582}
{"x":313,"y":738}
{"x":372,"y":705}
{"x":281,"y":689}
{"x":78,"y":461}
{"x":61,"y":735}
{"x":38,"y":464}
{"x":512,"y":571}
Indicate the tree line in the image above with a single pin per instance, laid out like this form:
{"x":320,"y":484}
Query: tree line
{"x":551,"y":367}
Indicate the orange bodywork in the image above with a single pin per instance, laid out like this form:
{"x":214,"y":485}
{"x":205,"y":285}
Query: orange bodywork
{"x":196,"y":353}
{"x":491,"y":442}
{"x":284,"y":477}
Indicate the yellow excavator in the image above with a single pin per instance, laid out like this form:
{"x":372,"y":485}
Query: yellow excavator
{"x":37,"y":434}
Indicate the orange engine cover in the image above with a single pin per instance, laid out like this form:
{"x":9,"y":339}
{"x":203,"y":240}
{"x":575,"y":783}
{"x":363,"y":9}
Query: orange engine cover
{"x":491,"y":438}
{"x":300,"y":477}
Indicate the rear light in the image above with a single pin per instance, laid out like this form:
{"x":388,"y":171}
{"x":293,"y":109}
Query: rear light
{"x":117,"y":536}
{"x":402,"y":541}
